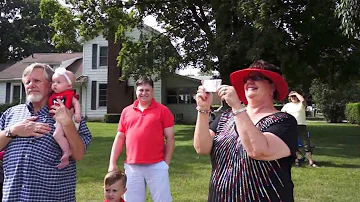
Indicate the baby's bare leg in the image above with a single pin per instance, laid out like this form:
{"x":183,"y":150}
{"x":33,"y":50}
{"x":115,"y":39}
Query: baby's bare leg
{"x":60,"y":138}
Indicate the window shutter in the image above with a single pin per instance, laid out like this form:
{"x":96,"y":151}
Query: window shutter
{"x":8,"y":89}
{"x":93,"y":95}
{"x":94,"y":56}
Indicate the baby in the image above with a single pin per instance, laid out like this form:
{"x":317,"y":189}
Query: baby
{"x":114,"y":186}
{"x":62,"y":83}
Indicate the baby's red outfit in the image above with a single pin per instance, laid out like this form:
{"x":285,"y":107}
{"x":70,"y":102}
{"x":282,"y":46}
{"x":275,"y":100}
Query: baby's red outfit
{"x":65,"y":97}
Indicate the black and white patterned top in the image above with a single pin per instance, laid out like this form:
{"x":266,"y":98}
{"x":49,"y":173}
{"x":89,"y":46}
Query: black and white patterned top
{"x":237,"y":177}
{"x":30,"y":163}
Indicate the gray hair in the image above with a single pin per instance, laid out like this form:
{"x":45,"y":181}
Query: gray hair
{"x":48,"y":71}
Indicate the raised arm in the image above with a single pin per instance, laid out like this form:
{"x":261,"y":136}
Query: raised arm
{"x":258,"y":145}
{"x":64,"y":117}
{"x":203,"y":136}
{"x":300,"y":98}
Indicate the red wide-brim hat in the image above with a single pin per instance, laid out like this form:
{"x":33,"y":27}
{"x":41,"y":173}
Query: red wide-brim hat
{"x":237,"y":80}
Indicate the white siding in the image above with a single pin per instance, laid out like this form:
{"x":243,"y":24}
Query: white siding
{"x":100,"y":75}
{"x":2,"y":92}
{"x":157,"y":91}
{"x":188,"y":112}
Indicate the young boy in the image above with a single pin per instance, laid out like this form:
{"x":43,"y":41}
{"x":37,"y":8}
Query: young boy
{"x":114,"y":186}
{"x":62,"y":83}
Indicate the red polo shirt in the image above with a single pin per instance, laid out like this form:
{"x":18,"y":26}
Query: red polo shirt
{"x":144,"y":132}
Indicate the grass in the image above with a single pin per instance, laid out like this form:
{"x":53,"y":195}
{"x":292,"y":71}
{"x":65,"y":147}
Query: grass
{"x":336,"y":152}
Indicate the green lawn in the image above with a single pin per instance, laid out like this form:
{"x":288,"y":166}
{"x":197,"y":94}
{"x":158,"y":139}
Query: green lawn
{"x":337,"y":152}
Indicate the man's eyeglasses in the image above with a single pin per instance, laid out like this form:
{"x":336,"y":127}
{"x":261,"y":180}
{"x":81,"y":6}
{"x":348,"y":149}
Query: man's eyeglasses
{"x":256,"y":78}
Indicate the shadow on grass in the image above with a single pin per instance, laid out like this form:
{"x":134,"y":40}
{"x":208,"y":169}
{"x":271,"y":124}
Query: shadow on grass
{"x":335,"y":140}
{"x":184,"y":133}
{"x":333,"y":165}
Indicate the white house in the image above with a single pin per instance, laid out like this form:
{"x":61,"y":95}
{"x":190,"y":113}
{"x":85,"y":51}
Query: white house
{"x":97,"y":81}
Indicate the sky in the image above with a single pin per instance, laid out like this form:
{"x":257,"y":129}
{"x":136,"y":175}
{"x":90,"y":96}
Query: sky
{"x":151,"y":21}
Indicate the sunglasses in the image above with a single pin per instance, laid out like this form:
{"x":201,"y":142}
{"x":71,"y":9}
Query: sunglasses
{"x":256,"y":78}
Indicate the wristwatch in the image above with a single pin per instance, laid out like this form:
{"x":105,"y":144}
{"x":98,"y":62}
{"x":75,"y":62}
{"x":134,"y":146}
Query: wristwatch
{"x":8,"y":133}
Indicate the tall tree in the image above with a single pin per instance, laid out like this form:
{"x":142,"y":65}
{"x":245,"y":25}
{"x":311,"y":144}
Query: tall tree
{"x":300,"y":36}
{"x":65,"y":36}
{"x":349,"y":12}
{"x":151,"y":54}
{"x":23,"y":31}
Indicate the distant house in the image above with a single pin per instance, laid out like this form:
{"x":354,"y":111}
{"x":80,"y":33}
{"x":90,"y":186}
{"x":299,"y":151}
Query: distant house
{"x":98,"y":84}
{"x":11,"y":87}
{"x":175,"y":91}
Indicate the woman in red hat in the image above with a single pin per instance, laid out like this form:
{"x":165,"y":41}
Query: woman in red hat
{"x":252,"y":148}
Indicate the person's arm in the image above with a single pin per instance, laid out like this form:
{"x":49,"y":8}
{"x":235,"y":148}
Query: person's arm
{"x":4,"y":141}
{"x":116,"y":150}
{"x":77,"y":108}
{"x":64,"y":117}
{"x":258,"y":145}
{"x":170,"y":144}
{"x":26,"y":128}
{"x":77,"y":146}
{"x":203,"y":136}
{"x":300,"y":98}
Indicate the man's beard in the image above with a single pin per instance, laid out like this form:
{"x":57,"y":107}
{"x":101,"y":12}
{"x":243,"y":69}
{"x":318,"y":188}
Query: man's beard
{"x":34,"y":98}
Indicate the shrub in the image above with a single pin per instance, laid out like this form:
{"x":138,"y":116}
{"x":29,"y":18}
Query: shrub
{"x":332,"y":99}
{"x":4,"y":107}
{"x":352,"y":113}
{"x":112,"y":118}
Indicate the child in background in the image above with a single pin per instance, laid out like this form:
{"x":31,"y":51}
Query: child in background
{"x":62,"y":83}
{"x":114,"y":186}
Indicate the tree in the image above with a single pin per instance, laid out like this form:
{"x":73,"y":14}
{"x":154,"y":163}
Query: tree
{"x":302,"y":37}
{"x":152,"y":54}
{"x":331,"y":99}
{"x":349,"y":13}
{"x":23,"y":31}
{"x":63,"y":22}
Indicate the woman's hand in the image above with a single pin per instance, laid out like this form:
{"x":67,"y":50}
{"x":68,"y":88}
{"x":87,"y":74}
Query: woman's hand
{"x":62,"y":114}
{"x":29,"y":128}
{"x":230,"y":96}
{"x":203,"y":99}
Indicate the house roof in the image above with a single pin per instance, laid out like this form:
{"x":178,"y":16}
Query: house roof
{"x":3,"y":66}
{"x":68,"y":60}
{"x":186,"y":77}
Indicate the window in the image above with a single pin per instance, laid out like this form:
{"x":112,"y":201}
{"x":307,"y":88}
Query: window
{"x":181,"y":96}
{"x":18,"y":94}
{"x":102,"y":95}
{"x":171,"y":96}
{"x":103,"y":56}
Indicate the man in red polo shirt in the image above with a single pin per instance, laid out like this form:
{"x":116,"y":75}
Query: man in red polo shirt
{"x":143,"y":126}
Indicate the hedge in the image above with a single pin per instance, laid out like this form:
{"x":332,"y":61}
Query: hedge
{"x":4,"y":107}
{"x":352,"y":113}
{"x":112,"y":118}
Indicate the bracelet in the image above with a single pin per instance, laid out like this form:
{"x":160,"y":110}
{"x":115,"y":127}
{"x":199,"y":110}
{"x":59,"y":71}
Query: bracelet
{"x":202,"y":111}
{"x":236,"y":112}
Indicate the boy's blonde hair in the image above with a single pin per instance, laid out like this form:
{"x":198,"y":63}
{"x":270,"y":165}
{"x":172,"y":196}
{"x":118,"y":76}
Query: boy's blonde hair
{"x":115,"y":176}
